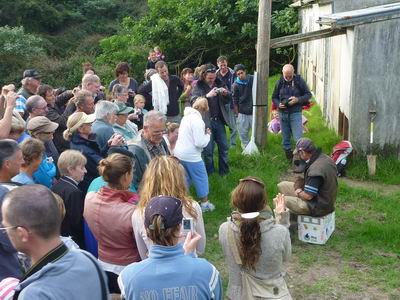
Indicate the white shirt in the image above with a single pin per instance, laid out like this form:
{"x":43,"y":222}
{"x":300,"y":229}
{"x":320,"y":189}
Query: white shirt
{"x":192,"y":136}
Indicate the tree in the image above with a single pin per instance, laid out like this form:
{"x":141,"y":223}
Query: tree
{"x":17,"y":48}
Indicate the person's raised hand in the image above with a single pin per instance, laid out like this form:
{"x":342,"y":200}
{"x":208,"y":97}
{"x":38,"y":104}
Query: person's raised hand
{"x":116,"y":140}
{"x":279,"y":202}
{"x":282,"y":106}
{"x":191,"y":241}
{"x":11,"y":98}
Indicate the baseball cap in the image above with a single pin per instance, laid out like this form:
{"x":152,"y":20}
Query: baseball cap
{"x":123,"y":109}
{"x":31,"y":73}
{"x":41,"y":124}
{"x":304,"y":144}
{"x":170,"y":208}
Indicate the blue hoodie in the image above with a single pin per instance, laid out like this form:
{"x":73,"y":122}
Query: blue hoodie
{"x":170,"y":274}
{"x":73,"y":277}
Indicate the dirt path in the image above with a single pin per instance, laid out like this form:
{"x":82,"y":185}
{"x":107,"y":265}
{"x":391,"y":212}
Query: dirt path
{"x":371,"y":186}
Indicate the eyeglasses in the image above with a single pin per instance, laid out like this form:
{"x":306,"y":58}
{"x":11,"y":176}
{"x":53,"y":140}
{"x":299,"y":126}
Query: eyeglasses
{"x":4,"y":229}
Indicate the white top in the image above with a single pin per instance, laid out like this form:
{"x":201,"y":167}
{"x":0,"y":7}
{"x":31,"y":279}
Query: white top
{"x":192,"y":136}
{"x":143,"y":243}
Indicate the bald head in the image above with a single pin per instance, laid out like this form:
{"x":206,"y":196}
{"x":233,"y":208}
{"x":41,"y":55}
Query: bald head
{"x":34,"y":208}
{"x":288,"y":72}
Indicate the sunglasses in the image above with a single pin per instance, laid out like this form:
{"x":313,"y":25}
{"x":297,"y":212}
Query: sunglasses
{"x":211,"y":70}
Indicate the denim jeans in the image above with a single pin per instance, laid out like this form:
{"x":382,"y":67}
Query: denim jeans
{"x":232,"y":124}
{"x":244,"y":127}
{"x":291,"y":124}
{"x":218,"y":135}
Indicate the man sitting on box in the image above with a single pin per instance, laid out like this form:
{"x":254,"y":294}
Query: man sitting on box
{"x":315,"y":196}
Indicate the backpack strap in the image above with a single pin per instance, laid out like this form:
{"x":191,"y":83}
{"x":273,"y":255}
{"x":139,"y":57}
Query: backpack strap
{"x":104,"y":293}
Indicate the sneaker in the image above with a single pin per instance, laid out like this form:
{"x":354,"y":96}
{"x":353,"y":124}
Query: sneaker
{"x":207,"y":206}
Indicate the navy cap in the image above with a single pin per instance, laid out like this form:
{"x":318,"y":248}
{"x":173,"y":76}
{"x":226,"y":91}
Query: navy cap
{"x":170,"y":208}
{"x":31,"y":73}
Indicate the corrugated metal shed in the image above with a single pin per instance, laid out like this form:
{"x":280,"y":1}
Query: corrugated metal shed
{"x":361,"y":16}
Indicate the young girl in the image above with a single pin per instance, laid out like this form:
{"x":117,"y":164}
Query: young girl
{"x":139,"y":112}
{"x":171,"y":136}
{"x":274,"y":125}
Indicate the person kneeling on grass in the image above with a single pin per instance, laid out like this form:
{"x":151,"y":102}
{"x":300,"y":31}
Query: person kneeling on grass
{"x":171,"y":271}
{"x":316,"y":196}
{"x":193,"y":137}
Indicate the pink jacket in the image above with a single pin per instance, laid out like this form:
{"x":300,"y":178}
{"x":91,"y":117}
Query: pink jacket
{"x":108,"y":214}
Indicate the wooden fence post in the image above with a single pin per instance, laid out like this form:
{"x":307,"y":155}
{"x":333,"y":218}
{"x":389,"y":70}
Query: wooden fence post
{"x":262,"y":67}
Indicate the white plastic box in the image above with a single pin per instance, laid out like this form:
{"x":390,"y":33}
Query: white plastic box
{"x":316,"y":230}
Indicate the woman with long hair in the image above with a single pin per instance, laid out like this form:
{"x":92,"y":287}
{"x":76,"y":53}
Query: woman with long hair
{"x":108,"y":213}
{"x":254,"y":244}
{"x":165,"y":176}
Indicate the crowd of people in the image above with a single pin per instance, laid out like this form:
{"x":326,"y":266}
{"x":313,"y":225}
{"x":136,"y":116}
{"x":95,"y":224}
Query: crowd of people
{"x":94,"y":185}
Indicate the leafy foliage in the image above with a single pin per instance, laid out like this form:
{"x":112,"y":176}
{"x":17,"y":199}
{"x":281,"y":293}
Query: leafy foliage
{"x":16,"y":48}
{"x":192,"y":32}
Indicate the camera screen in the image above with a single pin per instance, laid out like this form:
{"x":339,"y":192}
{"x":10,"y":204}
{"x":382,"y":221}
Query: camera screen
{"x":186,"y":224}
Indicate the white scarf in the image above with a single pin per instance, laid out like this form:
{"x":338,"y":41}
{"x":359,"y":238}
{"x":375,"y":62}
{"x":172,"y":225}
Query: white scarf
{"x":159,"y":93}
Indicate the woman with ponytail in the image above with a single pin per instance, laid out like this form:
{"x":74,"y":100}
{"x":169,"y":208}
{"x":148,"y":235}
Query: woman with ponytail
{"x":255,"y":245}
{"x":108,"y":213}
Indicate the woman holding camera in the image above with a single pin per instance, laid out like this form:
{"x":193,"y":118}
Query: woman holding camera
{"x":170,"y":270}
{"x":165,"y":176}
{"x":254,"y":245}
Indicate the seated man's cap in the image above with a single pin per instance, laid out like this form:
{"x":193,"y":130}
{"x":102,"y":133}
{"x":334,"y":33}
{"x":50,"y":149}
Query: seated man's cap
{"x":304,"y":144}
{"x":170,"y":208}
{"x":31,"y":73}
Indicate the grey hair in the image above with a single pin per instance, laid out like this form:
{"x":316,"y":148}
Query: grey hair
{"x":104,"y":108}
{"x":81,"y":96}
{"x":89,"y":78}
{"x":154,"y":116}
{"x":35,"y":208}
{"x":119,"y":90}
{"x":32,"y":102}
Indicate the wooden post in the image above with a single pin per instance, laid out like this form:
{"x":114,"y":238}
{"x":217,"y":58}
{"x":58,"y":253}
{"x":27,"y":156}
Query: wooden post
{"x":262,"y":67}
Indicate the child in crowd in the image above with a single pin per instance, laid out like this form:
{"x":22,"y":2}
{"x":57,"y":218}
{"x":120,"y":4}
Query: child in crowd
{"x":171,"y":136}
{"x":274,"y":125}
{"x":159,"y":54}
{"x":151,"y":60}
{"x":139,"y":112}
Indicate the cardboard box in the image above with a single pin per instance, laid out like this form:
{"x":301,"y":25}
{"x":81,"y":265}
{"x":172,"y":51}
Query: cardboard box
{"x":316,"y":230}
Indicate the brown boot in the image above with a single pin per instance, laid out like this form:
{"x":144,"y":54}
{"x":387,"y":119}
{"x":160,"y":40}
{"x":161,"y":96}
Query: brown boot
{"x":289,"y":155}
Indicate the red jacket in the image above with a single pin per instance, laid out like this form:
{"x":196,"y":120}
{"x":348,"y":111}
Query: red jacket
{"x":109,"y":216}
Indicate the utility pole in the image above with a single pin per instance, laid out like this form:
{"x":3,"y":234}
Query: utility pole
{"x":262,"y":67}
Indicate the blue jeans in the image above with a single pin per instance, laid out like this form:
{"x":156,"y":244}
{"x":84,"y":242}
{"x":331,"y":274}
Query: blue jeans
{"x":291,"y":124}
{"x":232,"y":124}
{"x":218,"y":135}
{"x":196,"y":173}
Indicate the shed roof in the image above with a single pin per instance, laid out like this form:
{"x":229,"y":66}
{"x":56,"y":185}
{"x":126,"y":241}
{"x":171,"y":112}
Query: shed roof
{"x":361,"y":16}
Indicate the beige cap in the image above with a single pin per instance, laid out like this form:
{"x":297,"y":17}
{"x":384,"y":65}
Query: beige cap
{"x":41,"y":124}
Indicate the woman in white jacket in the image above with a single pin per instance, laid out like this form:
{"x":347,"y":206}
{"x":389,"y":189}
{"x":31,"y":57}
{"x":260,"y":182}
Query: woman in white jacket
{"x":193,"y":137}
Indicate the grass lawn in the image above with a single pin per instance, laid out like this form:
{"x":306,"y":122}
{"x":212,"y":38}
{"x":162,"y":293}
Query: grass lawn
{"x":362,"y":258}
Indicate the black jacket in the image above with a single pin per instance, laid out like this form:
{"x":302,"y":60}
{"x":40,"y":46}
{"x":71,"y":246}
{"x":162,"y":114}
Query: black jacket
{"x":243,"y":96}
{"x":74,"y":201}
{"x":90,"y":149}
{"x":296,"y":87}
{"x":175,"y":90}
{"x":201,"y":90}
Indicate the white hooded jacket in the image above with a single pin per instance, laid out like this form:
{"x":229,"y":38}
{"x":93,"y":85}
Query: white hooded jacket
{"x":192,"y":136}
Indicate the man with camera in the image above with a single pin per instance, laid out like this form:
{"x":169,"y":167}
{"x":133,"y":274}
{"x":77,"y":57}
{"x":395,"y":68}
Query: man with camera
{"x":218,"y":96}
{"x":290,"y":94}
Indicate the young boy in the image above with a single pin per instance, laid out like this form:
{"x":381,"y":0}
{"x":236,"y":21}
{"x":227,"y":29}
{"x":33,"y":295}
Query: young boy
{"x":152,"y":59}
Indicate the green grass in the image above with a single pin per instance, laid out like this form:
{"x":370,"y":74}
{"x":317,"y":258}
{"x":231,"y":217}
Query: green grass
{"x":365,"y":247}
